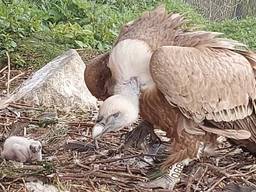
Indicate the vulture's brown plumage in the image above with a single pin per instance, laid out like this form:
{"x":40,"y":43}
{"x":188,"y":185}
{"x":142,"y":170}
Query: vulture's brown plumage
{"x":193,"y":84}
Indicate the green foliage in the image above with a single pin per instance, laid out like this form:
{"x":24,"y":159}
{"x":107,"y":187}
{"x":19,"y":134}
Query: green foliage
{"x":34,"y":31}
{"x":18,"y":20}
{"x":243,"y":30}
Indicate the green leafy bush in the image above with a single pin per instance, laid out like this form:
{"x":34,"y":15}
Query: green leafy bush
{"x":242,"y":30}
{"x":34,"y":31}
{"x":17,"y":20}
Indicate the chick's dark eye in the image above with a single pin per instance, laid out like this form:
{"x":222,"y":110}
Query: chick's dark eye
{"x":115,"y":115}
{"x":99,"y":119}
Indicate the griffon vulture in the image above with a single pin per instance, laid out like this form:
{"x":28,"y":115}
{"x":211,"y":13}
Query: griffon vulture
{"x":192,"y":84}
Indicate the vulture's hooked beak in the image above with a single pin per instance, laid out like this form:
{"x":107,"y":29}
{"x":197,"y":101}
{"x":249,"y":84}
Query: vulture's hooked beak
{"x":115,"y":113}
{"x":105,"y":125}
{"x":97,"y":131}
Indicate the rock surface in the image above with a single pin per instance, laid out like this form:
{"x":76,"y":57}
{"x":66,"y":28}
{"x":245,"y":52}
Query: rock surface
{"x":60,"y":83}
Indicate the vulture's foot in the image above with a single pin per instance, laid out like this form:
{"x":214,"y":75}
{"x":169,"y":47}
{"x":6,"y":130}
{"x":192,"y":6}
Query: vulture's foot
{"x":142,"y":136}
{"x":167,"y":180}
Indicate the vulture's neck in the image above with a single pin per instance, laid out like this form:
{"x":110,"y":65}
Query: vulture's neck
{"x":130,"y":58}
{"x":129,"y":89}
{"x":129,"y":65}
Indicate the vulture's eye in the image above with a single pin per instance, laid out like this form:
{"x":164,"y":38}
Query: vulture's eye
{"x":99,"y":119}
{"x":115,"y":115}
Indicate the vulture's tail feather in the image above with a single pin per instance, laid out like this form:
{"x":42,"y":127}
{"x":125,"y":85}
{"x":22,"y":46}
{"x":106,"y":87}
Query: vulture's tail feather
{"x":249,"y":124}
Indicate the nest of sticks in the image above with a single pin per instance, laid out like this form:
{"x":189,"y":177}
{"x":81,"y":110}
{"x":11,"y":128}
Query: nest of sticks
{"x":72,"y":163}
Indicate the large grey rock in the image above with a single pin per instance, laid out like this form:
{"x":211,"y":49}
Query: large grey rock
{"x":60,"y":83}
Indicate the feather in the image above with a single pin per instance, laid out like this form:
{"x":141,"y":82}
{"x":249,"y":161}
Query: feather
{"x":98,"y":77}
{"x":199,"y":78}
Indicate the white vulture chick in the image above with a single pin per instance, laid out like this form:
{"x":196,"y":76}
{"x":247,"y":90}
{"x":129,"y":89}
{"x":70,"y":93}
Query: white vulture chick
{"x":22,"y":149}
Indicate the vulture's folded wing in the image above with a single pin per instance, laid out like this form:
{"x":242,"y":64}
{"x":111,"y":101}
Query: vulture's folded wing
{"x":205,"y":83}
{"x":97,"y":77}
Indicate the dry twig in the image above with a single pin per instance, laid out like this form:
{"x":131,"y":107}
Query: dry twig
{"x":200,"y":179}
{"x":9,"y":72}
{"x":3,"y":69}
{"x":17,"y":76}
{"x":216,"y":184}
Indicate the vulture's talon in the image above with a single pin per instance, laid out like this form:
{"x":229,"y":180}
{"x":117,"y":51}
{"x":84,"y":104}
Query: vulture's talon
{"x":142,"y":136}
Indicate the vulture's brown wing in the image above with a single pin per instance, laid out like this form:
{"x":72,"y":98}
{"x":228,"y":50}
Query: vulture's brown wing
{"x":156,"y":28}
{"x":205,"y":83}
{"x":97,"y":77}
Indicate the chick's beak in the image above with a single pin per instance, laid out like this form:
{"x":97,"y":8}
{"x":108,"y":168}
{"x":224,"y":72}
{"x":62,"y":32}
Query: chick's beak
{"x":97,"y":131}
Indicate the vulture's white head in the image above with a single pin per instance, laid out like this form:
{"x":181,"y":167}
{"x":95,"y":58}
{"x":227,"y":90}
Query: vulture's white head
{"x":115,"y":113}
